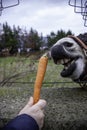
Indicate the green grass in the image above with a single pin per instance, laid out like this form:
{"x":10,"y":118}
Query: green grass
{"x":23,"y":70}
{"x":14,"y":92}
{"x":15,"y":71}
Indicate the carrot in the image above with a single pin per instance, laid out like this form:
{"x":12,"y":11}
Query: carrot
{"x":39,"y":77}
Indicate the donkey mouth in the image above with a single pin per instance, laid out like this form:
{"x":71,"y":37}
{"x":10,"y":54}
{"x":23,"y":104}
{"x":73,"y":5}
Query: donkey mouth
{"x":69,"y":66}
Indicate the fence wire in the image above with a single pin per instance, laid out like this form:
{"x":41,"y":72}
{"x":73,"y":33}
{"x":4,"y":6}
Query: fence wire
{"x":20,"y":70}
{"x":6,"y":4}
{"x":80,"y":6}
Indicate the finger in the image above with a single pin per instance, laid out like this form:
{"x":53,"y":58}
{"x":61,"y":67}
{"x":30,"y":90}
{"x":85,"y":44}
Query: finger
{"x":41,"y":104}
{"x":30,"y":102}
{"x":41,"y":120}
{"x":41,"y":123}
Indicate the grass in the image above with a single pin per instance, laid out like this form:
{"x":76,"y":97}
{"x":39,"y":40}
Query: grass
{"x":19,"y":91}
{"x":17,"y":77}
{"x":15,"y":71}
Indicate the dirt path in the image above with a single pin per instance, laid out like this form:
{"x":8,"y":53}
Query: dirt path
{"x":66,"y":109}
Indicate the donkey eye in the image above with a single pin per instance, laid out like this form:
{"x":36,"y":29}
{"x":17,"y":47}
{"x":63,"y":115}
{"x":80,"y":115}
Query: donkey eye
{"x":67,"y":44}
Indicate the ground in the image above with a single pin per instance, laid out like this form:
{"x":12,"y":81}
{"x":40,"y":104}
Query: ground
{"x":66,"y":107}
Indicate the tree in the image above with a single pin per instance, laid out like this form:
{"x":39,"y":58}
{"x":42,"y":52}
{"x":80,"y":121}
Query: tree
{"x":60,"y":34}
{"x":7,"y":35}
{"x":16,"y":37}
{"x":9,"y":38}
{"x":14,"y":40}
{"x":69,"y":32}
{"x":53,"y":38}
{"x":34,"y":41}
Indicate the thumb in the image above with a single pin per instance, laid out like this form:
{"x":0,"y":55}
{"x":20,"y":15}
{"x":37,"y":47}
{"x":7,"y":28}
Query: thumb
{"x":41,"y":104}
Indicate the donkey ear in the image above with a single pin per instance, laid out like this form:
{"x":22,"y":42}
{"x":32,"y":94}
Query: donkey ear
{"x":83,"y":37}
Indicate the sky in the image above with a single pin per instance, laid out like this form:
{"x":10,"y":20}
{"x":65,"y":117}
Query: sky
{"x":45,"y":16}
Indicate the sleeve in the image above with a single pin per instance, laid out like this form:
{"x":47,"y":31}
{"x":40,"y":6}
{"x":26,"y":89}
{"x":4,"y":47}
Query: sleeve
{"x":22,"y":122}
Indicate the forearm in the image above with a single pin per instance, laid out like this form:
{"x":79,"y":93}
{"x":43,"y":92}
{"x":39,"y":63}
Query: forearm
{"x":22,"y":122}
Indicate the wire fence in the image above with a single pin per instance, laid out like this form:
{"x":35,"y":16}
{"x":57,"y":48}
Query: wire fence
{"x":80,"y":6}
{"x":21,"y":70}
{"x":8,"y":4}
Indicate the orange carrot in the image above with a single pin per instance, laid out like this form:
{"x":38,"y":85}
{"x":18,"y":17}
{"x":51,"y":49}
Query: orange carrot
{"x":39,"y":77}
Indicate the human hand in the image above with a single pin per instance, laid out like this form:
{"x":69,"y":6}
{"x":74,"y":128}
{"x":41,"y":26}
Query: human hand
{"x":36,"y":111}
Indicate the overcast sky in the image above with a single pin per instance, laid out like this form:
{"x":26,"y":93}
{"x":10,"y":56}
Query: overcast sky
{"x":44,"y":16}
